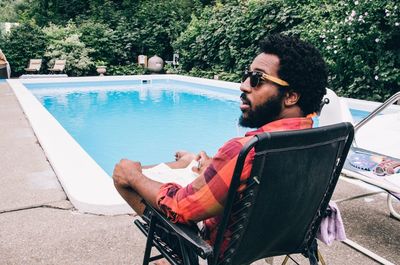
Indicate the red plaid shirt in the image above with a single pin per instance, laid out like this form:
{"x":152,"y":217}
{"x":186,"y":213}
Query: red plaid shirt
{"x":206,"y":195}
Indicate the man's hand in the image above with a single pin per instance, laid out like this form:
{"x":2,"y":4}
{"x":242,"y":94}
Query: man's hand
{"x":125,"y":172}
{"x":204,"y":162}
{"x":185,"y":156}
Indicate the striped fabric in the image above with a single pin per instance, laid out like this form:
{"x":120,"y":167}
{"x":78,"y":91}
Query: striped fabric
{"x":204,"y":198}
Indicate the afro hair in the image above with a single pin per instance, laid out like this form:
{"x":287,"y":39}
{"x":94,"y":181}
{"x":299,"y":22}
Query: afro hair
{"x":302,"y":66}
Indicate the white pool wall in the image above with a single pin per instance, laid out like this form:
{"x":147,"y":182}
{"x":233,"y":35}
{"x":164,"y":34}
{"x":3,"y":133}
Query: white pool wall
{"x":369,"y":105}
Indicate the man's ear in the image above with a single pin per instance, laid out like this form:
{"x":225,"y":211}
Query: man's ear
{"x":291,"y":98}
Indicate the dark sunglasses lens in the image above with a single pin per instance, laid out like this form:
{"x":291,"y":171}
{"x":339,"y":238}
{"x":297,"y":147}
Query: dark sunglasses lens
{"x":254,"y":79}
{"x":245,"y":75}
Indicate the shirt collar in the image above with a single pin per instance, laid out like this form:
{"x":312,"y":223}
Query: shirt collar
{"x":284,"y":125}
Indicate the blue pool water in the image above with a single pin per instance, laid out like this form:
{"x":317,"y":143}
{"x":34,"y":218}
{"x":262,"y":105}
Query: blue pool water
{"x":145,"y":123}
{"x":358,"y":115}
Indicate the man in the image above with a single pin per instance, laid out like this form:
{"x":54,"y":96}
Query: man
{"x":284,"y":84}
{"x":5,"y":70}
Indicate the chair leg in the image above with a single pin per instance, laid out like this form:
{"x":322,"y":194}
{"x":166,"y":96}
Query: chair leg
{"x":320,"y":258}
{"x":187,"y":255}
{"x":393,"y":212}
{"x":149,"y":243}
{"x":285,"y":260}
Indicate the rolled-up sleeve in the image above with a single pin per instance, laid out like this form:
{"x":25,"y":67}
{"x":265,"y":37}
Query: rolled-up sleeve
{"x":205,"y":196}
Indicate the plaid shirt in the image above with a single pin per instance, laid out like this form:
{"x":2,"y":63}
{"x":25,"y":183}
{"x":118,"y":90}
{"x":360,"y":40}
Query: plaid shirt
{"x":206,"y":195}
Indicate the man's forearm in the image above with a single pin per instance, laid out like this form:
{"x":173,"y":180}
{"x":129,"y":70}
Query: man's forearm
{"x":172,"y":164}
{"x":145,"y":187}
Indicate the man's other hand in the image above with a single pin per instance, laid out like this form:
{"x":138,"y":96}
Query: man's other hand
{"x":204,"y":161}
{"x":125,"y":172}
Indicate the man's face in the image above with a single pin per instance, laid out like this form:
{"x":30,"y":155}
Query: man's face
{"x":263,"y":103}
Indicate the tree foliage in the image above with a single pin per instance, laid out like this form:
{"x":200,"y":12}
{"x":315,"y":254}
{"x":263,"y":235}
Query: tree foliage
{"x":359,"y":39}
{"x":25,"y":42}
{"x":65,"y":43}
{"x":224,"y":38}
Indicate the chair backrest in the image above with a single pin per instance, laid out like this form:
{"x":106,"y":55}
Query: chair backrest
{"x":292,"y":180}
{"x":59,"y":65}
{"x":35,"y":64}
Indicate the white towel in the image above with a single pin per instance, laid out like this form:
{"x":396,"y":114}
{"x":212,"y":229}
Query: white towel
{"x":163,"y":173}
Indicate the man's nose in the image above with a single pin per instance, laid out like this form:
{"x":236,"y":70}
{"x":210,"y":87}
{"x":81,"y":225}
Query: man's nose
{"x":245,"y":86}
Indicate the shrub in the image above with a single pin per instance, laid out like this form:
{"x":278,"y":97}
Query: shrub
{"x":360,"y":41}
{"x":157,"y":23}
{"x":131,"y":69}
{"x":65,"y":43}
{"x":224,"y":38}
{"x":23,"y":43}
{"x":100,"y":40}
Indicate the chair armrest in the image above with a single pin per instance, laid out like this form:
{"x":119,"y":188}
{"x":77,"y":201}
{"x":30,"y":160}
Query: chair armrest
{"x":201,"y":247}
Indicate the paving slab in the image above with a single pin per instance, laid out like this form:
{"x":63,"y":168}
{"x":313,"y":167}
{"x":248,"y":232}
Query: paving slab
{"x":55,"y":236}
{"x":26,"y":177}
{"x":368,"y":222}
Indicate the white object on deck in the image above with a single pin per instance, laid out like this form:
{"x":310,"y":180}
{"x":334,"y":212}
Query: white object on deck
{"x":335,"y":111}
{"x":381,"y":135}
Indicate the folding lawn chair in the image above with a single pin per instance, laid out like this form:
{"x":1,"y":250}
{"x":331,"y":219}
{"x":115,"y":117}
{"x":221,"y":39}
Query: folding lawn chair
{"x":59,"y":66}
{"x":375,"y":168}
{"x":360,"y":166}
{"x":279,"y":211}
{"x":34,"y":66}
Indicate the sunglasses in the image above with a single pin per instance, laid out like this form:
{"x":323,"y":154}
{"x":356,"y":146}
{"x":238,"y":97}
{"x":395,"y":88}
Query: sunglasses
{"x":255,"y":78}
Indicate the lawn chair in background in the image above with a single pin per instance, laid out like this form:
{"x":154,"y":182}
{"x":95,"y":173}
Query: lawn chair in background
{"x":279,"y":210}
{"x":380,"y":169}
{"x":360,"y":162}
{"x":374,"y":169}
{"x":34,"y":66}
{"x":59,"y":66}
{"x":5,"y":70}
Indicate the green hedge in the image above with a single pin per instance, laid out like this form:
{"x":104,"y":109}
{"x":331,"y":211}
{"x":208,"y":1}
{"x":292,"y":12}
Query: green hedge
{"x":25,"y":42}
{"x":359,"y":39}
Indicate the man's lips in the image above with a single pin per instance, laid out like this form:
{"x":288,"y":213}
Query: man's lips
{"x":245,"y":105}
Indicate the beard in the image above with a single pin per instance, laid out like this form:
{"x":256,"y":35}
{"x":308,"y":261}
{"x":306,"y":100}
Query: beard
{"x":263,"y":114}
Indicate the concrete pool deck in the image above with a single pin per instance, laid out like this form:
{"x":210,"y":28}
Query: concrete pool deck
{"x":38,"y":224}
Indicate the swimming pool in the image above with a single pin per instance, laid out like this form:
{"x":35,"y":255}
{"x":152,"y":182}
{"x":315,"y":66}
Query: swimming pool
{"x":142,"y":122}
{"x":87,"y":185}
